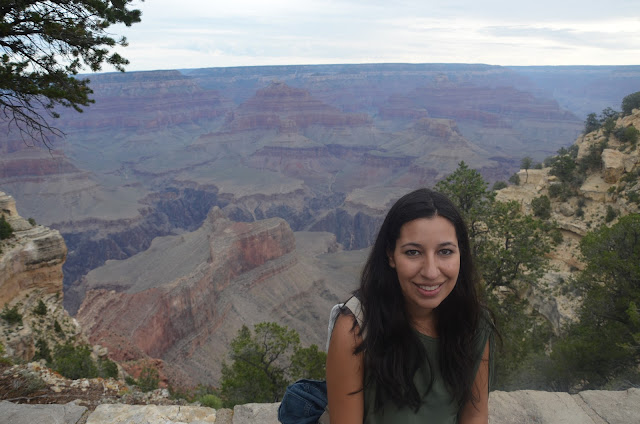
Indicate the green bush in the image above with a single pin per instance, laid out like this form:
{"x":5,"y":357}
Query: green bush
{"x":593,"y":159}
{"x":541,"y":207}
{"x":149,"y":379}
{"x":40,"y":309}
{"x":107,"y":368}
{"x":633,"y":197}
{"x":74,"y":362}
{"x":211,"y":401}
{"x":12,"y":316}
{"x":628,"y":134}
{"x":42,"y":351}
{"x":630,"y":102}
{"x":57,"y":328}
{"x":515,"y":179}
{"x":32,"y":222}
{"x":3,"y":360}
{"x":6,"y":230}
{"x":591,"y":124}
{"x":560,"y":191}
{"x":563,"y":168}
{"x":611,"y":214}
{"x":499,"y":185}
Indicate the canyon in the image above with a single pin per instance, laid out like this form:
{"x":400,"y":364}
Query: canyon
{"x":194,"y":201}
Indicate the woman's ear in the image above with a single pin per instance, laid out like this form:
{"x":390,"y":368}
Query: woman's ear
{"x":392,"y":262}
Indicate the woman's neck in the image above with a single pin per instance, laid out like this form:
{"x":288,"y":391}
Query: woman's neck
{"x":425,"y":323}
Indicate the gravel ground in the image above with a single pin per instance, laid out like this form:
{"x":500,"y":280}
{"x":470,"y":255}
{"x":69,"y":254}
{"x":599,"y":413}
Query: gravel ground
{"x":34,"y":383}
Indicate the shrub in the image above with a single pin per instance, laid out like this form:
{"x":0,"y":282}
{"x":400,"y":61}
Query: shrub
{"x":580,"y":212}
{"x":611,"y":214}
{"x":149,"y":379}
{"x":591,"y":123}
{"x":630,"y":102}
{"x":6,"y":230}
{"x":593,"y":159}
{"x":57,"y":328}
{"x":633,"y":197}
{"x":40,"y":309}
{"x":74,"y":362}
{"x":563,"y":168}
{"x":42,"y":351}
{"x":541,"y":207}
{"x":32,"y":222}
{"x":211,"y":401}
{"x":560,"y":191}
{"x":499,"y":185}
{"x":107,"y":368}
{"x":24,"y":384}
{"x":12,"y":316}
{"x":3,"y":360}
{"x":515,"y":179}
{"x":629,"y":134}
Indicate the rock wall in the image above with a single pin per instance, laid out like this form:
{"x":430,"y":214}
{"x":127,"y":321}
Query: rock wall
{"x":184,"y":299}
{"x":31,"y":272}
{"x":520,"y":407}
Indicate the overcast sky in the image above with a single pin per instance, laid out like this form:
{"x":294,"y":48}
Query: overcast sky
{"x":214,"y":33}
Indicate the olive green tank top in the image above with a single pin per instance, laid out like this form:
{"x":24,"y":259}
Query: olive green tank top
{"x":438,"y":406}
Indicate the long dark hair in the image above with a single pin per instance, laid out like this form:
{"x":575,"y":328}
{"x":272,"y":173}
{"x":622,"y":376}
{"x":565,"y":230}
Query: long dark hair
{"x":392,"y":350}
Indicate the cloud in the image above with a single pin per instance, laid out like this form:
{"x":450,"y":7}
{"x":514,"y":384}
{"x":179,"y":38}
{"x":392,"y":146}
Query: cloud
{"x":203,"y":33}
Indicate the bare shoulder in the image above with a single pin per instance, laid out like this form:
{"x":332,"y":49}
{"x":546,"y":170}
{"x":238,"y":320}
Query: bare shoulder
{"x":345,"y":373}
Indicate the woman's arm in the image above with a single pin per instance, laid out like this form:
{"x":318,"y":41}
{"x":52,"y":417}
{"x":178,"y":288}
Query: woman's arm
{"x":345,"y":374}
{"x":478,"y":412}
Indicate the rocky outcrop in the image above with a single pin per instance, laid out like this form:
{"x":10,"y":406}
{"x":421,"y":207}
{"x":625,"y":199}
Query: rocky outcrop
{"x":189,"y":294}
{"x":286,"y":108}
{"x":30,"y":274}
{"x":519,"y":407}
{"x":31,"y":259}
{"x":609,"y":187}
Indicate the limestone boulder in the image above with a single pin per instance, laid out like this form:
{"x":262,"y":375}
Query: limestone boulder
{"x":250,"y":413}
{"x":613,"y":407}
{"x":613,"y":165}
{"x":152,"y":414}
{"x":11,"y":413}
{"x":528,"y":406}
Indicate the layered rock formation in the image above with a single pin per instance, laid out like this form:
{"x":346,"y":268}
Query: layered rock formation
{"x":519,"y":407}
{"x":31,"y":272}
{"x":609,"y":186}
{"x":158,"y":149}
{"x":189,"y":294}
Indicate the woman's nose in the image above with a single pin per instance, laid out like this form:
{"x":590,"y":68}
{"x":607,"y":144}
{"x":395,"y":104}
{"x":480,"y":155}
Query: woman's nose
{"x":429,"y":268}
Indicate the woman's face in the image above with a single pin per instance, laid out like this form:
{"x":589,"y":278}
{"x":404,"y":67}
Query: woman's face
{"x":427,"y":260}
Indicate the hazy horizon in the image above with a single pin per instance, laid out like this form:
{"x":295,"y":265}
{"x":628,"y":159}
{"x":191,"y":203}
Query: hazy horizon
{"x":203,"y":34}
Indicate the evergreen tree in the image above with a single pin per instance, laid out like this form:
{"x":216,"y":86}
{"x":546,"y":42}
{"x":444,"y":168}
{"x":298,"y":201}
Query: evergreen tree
{"x":45,"y":43}
{"x":266,"y":362}
{"x":602,"y":350}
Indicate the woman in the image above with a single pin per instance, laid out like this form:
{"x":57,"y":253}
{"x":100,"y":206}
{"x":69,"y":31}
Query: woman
{"x":422,"y":354}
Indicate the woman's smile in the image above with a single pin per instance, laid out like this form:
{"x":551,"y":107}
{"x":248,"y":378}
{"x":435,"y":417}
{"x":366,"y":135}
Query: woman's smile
{"x":427,"y":260}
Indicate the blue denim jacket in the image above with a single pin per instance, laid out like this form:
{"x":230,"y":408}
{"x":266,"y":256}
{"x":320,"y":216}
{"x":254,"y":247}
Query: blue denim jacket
{"x":303,"y":402}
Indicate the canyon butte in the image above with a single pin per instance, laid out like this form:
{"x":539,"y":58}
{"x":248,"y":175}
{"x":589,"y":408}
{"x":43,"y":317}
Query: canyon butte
{"x":192,"y":202}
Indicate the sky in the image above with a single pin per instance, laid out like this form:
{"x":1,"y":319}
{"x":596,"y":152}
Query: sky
{"x":214,"y":33}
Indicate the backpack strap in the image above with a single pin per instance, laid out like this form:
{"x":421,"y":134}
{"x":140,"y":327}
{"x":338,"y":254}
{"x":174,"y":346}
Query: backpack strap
{"x":353,"y":304}
{"x":355,"y":307}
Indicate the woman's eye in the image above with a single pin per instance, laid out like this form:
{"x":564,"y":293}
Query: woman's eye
{"x":446,"y":252}
{"x":412,"y":252}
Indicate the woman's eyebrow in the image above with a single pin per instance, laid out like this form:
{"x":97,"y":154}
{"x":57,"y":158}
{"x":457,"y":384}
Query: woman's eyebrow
{"x":415,"y":244}
{"x":448,"y":243}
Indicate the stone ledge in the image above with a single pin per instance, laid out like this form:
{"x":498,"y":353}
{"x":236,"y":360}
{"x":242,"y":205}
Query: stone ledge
{"x":519,"y":407}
